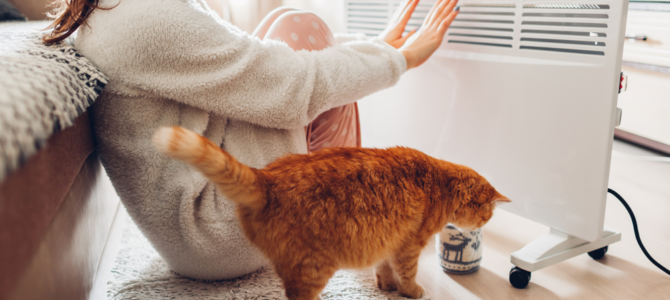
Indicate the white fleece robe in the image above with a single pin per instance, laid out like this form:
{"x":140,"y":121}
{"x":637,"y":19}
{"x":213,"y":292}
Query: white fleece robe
{"x":174,"y":62}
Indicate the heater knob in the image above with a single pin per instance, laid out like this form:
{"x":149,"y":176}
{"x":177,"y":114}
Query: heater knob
{"x":623,"y":82}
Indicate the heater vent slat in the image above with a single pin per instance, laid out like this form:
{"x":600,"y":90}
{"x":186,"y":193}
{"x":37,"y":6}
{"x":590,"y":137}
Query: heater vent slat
{"x":573,"y":42}
{"x":576,"y":51}
{"x":491,"y":5}
{"x":482,"y":28}
{"x":567,"y":6}
{"x":481,"y":36}
{"x":566,"y":24}
{"x":558,"y":32}
{"x":368,"y":10}
{"x":487,"y":13}
{"x":564,"y":15}
{"x":367,"y":17}
{"x":485,"y":21}
{"x":481,"y":43}
{"x":358,"y":3}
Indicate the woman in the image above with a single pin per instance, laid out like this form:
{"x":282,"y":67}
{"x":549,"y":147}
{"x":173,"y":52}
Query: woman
{"x":175,"y":62}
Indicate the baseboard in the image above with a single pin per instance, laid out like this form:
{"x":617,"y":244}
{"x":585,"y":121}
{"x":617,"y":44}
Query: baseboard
{"x":642,"y":141}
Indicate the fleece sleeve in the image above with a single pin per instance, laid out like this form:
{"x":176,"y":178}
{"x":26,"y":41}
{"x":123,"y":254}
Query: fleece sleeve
{"x":204,"y":63}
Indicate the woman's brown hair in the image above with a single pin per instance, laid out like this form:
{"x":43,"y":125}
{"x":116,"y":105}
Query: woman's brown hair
{"x":69,"y":15}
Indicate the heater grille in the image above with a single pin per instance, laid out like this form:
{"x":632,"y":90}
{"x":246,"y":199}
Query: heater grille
{"x":478,"y":24}
{"x":484,"y":25}
{"x":367,"y":17}
{"x":573,"y":28}
{"x":566,"y":28}
{"x":371,"y":16}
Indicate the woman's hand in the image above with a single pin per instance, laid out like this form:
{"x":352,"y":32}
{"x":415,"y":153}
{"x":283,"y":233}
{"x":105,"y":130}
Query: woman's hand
{"x":420,"y":46}
{"x":392,"y":35}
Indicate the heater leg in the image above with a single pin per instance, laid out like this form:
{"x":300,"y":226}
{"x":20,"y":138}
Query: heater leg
{"x":555,"y":247}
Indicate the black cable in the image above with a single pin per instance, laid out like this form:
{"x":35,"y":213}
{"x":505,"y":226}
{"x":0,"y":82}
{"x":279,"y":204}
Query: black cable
{"x":637,"y":233}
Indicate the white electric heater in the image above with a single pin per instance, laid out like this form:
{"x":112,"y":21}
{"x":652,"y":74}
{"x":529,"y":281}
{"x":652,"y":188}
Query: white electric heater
{"x":525,"y":93}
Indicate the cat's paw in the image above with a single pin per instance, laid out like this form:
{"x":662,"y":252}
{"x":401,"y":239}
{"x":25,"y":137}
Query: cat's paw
{"x":414,"y":292}
{"x":386,"y":282}
{"x":386,"y":285}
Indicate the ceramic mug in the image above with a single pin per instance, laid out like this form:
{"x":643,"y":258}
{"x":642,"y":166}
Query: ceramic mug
{"x":459,"y":251}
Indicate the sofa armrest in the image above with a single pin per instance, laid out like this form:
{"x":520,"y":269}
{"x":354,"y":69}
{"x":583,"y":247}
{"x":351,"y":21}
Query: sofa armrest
{"x":32,"y":9}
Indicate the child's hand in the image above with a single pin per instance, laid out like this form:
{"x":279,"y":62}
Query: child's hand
{"x":392,"y":35}
{"x":420,"y":46}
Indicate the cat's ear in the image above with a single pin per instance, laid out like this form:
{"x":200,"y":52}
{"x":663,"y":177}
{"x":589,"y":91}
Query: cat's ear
{"x":499,"y":198}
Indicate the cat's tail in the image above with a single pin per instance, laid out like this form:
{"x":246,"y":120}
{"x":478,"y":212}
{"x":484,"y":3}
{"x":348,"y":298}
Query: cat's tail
{"x":235,"y":180}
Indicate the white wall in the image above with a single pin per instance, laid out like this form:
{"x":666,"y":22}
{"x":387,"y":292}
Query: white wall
{"x":330,"y":11}
{"x":246,"y":14}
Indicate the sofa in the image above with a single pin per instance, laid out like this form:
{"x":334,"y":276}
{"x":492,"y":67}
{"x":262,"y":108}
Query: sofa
{"x":56,"y":203}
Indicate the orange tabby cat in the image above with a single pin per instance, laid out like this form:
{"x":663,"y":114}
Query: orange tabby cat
{"x":341,"y":207}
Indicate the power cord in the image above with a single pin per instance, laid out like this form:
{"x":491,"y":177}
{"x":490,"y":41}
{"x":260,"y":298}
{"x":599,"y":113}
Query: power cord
{"x":637,"y":233}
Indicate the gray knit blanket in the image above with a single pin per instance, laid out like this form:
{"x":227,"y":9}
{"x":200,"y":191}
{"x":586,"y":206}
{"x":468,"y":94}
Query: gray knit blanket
{"x":42,"y":90}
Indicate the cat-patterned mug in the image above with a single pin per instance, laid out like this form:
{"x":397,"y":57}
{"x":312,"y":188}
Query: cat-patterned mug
{"x":459,"y":251}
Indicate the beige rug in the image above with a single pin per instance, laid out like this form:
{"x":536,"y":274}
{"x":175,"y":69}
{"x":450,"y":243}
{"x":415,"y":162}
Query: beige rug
{"x":140,"y":273}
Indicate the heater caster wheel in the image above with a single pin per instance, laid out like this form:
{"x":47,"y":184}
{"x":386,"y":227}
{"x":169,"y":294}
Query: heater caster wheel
{"x":598,"y":253}
{"x":519,"y":278}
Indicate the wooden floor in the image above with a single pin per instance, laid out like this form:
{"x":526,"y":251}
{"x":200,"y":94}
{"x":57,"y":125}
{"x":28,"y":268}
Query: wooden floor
{"x":624,"y":273}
